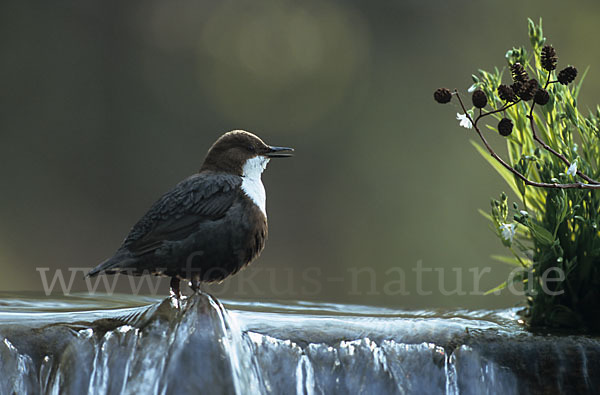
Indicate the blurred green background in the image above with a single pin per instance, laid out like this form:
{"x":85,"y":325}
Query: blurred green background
{"x":105,"y":105}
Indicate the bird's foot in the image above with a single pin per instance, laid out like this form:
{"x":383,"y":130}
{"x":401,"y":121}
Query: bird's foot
{"x":195,"y":285}
{"x":175,"y":290}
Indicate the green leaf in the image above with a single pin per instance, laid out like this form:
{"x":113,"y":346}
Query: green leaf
{"x":496,"y":289}
{"x":485,"y":214}
{"x":507,"y":175}
{"x":540,"y":233}
{"x":511,"y":260}
{"x":578,"y":86}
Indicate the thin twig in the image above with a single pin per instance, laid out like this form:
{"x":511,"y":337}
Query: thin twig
{"x":504,"y":108}
{"x":550,"y":149}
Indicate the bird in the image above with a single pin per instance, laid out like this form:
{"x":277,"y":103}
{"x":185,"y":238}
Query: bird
{"x":207,"y":227}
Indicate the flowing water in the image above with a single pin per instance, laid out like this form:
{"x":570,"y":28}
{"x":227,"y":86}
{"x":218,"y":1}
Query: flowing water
{"x":123,"y":344}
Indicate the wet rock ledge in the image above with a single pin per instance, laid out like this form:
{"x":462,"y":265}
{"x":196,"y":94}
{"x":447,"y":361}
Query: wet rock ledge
{"x":200,"y":346}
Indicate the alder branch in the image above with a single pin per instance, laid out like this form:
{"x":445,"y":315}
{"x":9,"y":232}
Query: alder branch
{"x":577,"y":185}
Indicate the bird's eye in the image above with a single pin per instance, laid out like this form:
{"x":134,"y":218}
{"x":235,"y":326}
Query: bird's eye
{"x":251,"y":148}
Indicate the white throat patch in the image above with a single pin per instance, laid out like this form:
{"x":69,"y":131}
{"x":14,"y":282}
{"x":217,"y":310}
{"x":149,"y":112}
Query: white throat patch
{"x":251,"y":182}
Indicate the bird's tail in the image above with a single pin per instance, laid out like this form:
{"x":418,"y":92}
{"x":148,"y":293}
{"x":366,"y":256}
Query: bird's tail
{"x":111,"y":265}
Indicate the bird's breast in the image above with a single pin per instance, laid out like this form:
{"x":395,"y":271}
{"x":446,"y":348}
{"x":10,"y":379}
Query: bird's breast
{"x":255,"y":190}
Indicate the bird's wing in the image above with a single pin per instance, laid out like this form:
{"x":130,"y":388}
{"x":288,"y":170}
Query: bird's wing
{"x":177,"y":213}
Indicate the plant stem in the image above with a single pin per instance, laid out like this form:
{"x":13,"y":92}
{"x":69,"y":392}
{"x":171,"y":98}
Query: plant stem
{"x":504,"y":108}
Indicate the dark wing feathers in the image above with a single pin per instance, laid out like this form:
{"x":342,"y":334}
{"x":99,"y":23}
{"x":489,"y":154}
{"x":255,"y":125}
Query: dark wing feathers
{"x":177,"y":213}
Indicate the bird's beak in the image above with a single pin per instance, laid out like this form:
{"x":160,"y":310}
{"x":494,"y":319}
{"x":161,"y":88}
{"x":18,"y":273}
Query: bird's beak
{"x":279,"y":152}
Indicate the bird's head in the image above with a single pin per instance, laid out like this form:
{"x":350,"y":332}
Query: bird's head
{"x":241,"y":153}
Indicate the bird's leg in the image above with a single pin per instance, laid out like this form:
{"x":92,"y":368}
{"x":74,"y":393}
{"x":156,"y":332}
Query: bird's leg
{"x":175,"y":290}
{"x":195,"y":283}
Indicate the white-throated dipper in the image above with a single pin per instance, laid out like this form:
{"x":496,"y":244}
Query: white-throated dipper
{"x":208,"y":226}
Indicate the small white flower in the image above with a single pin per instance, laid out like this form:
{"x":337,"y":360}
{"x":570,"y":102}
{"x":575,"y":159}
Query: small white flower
{"x":508,"y":231}
{"x":465,"y":122}
{"x":573,"y":168}
{"x":523,"y":212}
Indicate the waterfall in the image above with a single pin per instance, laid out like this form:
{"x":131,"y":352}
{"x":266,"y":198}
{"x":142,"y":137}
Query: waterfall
{"x":199,"y":346}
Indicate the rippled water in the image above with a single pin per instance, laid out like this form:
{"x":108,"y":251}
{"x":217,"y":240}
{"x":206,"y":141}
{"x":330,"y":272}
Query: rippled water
{"x":124,"y":344}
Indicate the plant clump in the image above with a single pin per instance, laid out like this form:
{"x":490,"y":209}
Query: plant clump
{"x":553,"y":168}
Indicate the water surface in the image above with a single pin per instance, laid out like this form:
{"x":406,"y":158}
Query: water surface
{"x":131,"y":344}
